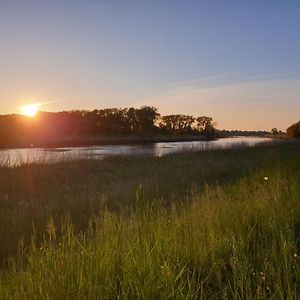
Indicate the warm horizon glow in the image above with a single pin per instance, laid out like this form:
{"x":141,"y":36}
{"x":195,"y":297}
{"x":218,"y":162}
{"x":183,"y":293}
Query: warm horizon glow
{"x":187,"y":57}
{"x":29,"y":110}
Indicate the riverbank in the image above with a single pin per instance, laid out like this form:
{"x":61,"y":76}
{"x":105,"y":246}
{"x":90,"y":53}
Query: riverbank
{"x":102,"y":141}
{"x":115,"y":140}
{"x":210,"y":224}
{"x":17,"y":157}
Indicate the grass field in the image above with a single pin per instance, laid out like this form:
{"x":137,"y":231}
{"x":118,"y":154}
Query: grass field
{"x":208,"y":225}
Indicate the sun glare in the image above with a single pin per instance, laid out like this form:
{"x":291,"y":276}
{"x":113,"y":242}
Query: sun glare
{"x":29,"y":110}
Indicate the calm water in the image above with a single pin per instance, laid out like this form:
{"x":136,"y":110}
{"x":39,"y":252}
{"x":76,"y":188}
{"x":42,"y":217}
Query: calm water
{"x":12,"y":157}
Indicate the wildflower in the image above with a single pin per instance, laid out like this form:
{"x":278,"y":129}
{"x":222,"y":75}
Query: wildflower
{"x":262,"y":275}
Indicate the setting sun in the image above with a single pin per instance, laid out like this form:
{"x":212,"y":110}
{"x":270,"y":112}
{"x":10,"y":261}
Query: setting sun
{"x":29,"y":110}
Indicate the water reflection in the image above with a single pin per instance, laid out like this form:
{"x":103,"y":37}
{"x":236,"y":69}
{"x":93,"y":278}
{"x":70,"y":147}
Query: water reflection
{"x":13,"y":157}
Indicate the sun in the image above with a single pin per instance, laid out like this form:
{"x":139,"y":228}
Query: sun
{"x":29,"y":110}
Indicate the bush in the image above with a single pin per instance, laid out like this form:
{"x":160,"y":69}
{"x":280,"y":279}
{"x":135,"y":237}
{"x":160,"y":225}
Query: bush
{"x":294,"y":130}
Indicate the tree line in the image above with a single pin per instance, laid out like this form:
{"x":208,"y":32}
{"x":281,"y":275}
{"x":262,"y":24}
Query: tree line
{"x":233,"y":133}
{"x":18,"y":130}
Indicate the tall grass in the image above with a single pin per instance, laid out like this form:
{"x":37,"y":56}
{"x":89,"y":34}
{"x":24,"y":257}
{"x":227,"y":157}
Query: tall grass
{"x":198,"y":226}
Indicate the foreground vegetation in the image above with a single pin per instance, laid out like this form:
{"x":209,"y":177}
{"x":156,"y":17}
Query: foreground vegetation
{"x":210,"y":225}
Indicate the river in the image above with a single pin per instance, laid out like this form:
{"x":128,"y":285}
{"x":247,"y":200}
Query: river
{"x":16,"y":157}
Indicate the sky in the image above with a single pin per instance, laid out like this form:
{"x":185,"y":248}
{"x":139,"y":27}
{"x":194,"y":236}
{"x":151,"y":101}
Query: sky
{"x":237,"y":61}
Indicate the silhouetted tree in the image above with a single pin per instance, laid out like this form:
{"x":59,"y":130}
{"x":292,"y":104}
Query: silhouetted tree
{"x":146,"y":117}
{"x":204,"y":123}
{"x":177,"y":123}
{"x":274,"y":131}
{"x":132,"y":121}
{"x":294,"y":130}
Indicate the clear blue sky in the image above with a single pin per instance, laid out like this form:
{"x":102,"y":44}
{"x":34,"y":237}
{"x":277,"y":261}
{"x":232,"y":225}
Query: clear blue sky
{"x":237,"y":61}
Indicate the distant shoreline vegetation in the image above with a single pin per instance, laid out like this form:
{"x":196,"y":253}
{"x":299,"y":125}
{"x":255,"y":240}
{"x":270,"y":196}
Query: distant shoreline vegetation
{"x":107,"y":126}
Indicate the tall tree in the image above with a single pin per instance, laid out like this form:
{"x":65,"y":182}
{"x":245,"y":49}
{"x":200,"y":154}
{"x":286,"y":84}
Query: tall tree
{"x":146,"y":119}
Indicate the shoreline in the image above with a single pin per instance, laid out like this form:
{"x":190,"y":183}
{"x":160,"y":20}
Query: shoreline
{"x":77,"y":142}
{"x":106,"y":140}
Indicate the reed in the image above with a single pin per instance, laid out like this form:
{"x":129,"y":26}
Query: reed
{"x":208,"y":225}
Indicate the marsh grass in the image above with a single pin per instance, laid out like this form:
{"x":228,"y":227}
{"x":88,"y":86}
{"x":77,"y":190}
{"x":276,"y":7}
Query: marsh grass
{"x":189,"y":226}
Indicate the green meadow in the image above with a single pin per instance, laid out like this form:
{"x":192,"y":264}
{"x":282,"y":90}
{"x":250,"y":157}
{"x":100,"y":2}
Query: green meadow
{"x":223,"y":224}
